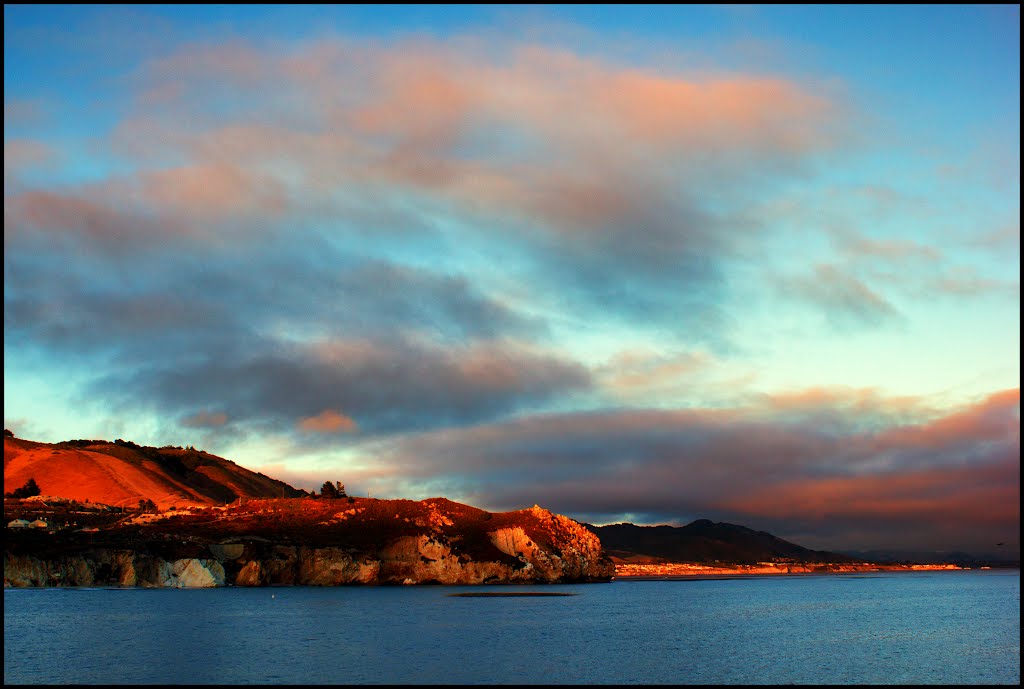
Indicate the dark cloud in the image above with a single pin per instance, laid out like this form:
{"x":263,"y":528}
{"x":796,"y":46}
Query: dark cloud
{"x":392,"y":385}
{"x":274,"y":333}
{"x":954,"y":479}
{"x":101,"y":302}
{"x":653,"y":267}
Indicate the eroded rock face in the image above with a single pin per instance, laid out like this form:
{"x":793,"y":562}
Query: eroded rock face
{"x":439,"y":544}
{"x":110,"y":568}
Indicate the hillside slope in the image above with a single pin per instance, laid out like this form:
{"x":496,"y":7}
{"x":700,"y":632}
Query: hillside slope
{"x":123,"y":473}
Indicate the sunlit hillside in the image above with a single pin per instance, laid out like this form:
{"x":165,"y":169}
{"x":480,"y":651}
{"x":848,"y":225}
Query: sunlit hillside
{"x":122,"y":473}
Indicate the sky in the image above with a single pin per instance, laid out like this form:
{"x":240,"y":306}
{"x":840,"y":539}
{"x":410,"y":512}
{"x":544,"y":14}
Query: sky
{"x":648,"y":264}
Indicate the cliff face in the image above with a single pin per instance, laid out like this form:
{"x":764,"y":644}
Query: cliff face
{"x":430,"y":542}
{"x":112,"y":568}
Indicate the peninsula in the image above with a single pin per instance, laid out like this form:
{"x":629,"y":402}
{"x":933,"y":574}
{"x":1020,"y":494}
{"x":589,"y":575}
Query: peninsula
{"x":99,"y":513}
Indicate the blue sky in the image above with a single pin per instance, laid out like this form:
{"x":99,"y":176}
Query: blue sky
{"x":755,"y":264}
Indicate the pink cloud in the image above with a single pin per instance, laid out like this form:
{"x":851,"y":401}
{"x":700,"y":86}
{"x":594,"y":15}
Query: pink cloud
{"x":893,"y":249}
{"x":21,"y":155}
{"x":88,"y":216}
{"x":328,"y":421}
{"x":363,"y":113}
{"x":212,"y":190}
{"x":995,"y":417}
{"x":947,"y":494}
{"x":168,"y":203}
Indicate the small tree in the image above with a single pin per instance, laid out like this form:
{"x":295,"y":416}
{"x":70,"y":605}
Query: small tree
{"x":27,"y":491}
{"x":328,"y":490}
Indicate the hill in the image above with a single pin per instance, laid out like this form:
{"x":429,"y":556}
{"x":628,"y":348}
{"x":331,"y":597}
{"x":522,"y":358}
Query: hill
{"x":214,"y":523}
{"x":121,"y":473}
{"x":308,"y":541}
{"x":703,"y":541}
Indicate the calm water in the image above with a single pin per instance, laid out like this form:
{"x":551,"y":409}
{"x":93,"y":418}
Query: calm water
{"x":934,"y":627}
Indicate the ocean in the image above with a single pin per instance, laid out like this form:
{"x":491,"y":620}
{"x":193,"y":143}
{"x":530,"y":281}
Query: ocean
{"x":886,"y":628}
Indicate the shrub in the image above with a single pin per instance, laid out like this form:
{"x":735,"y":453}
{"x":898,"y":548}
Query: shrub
{"x":27,"y":491}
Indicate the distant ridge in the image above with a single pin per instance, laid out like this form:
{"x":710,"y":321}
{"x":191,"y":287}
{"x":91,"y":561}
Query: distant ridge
{"x":121,"y":473}
{"x":1010,"y":557}
{"x":703,"y":541}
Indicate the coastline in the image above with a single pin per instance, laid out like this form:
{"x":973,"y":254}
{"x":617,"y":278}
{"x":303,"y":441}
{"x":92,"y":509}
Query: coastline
{"x":682,"y":570}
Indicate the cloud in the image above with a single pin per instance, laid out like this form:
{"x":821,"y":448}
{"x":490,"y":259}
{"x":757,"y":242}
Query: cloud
{"x":92,"y":220}
{"x":270,"y":336}
{"x":212,"y":190}
{"x":327,"y":421}
{"x":965,"y":283}
{"x":205,"y":419}
{"x":1003,"y":239}
{"x":997,"y":418}
{"x":639,"y":370}
{"x":276,"y":230}
{"x":393,"y":385}
{"x":944,"y":480}
{"x":23,"y":112}
{"x":891,"y":249}
{"x":646,"y":377}
{"x":847,"y":301}
{"x":967,"y":507}
{"x":157,"y":207}
{"x":843,"y":409}
{"x":425,"y":95}
{"x":26,"y":155}
{"x":587,"y":174}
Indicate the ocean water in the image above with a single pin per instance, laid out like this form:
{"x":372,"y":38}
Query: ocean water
{"x":891,"y":628}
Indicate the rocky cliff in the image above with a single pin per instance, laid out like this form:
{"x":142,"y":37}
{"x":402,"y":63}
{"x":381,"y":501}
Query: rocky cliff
{"x":314,"y":543}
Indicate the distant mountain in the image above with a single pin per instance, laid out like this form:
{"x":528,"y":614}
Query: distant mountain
{"x":121,"y":473}
{"x":1009,"y":556}
{"x":703,"y":541}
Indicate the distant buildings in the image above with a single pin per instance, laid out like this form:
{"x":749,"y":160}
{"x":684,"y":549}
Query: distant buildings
{"x":22,"y":524}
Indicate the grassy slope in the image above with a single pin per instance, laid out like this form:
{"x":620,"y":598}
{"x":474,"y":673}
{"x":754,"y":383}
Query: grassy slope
{"x":122,"y":474}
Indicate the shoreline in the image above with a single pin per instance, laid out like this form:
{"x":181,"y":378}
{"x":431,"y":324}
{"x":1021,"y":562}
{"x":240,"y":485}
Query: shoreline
{"x":678,"y":570}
